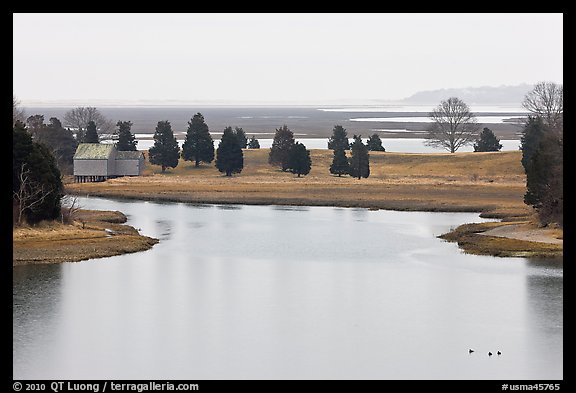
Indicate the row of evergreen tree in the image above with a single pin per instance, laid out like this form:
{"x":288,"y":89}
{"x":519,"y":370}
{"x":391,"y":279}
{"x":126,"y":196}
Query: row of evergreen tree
{"x":292,"y":156}
{"x":285,"y":152}
{"x":198,"y":146}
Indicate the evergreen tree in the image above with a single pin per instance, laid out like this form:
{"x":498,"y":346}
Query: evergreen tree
{"x":360,"y":160}
{"x":165,"y":151}
{"x":532,"y":137}
{"x":281,"y":145}
{"x":126,"y":140}
{"x":487,"y":141}
{"x":542,"y":159}
{"x":340,"y":164}
{"x":59,"y":140}
{"x":44,"y":173}
{"x":241,"y":136}
{"x":374,"y":143}
{"x":253,"y":144}
{"x":36,"y":180}
{"x":91,"y":135}
{"x":229,"y":156}
{"x":198,"y":145}
{"x":338,"y":139}
{"x":299,"y":161}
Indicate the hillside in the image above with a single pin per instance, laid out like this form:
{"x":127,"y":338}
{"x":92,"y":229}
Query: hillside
{"x":474,"y":95}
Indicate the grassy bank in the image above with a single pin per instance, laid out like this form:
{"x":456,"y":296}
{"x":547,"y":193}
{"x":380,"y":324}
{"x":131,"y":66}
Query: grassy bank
{"x":94,"y":234}
{"x":432,"y":182}
{"x":476,"y":239}
{"x":491,"y":183}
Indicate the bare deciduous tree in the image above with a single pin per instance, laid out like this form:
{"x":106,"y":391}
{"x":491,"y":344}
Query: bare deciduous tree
{"x":30,"y":194}
{"x":547,"y":101}
{"x":18,"y":114}
{"x":70,"y":208}
{"x":78,"y":118}
{"x":453,"y":125}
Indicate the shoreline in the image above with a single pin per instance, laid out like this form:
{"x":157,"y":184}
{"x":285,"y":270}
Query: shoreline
{"x":491,"y":184}
{"x":477,"y":238}
{"x":94,"y":234}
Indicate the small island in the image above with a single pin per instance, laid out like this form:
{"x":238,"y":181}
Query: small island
{"x":93,"y":234}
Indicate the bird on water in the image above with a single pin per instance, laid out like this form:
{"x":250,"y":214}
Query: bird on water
{"x":499,"y":353}
{"x":489,"y":353}
{"x":470,"y":350}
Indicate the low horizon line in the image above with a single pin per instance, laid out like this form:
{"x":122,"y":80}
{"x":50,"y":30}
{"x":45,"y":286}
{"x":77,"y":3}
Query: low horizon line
{"x":174,"y":102}
{"x":234,"y":103}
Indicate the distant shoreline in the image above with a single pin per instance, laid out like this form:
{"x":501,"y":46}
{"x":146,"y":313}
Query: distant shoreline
{"x":309,"y":120}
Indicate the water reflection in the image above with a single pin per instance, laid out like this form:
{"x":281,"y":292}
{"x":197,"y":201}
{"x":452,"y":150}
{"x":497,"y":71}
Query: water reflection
{"x":229,"y":207}
{"x":544,"y":319}
{"x":164,"y":229}
{"x":290,"y":208}
{"x":36,"y":310}
{"x":266,"y":292}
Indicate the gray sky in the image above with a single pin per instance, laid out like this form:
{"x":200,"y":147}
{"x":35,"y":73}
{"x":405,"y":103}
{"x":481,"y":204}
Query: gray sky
{"x":277,"y":57}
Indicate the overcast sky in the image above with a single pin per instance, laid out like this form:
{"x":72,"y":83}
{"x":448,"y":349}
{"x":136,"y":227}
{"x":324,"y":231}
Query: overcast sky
{"x":277,"y":57}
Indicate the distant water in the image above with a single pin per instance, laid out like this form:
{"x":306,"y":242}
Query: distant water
{"x":422,"y":119}
{"x":397,"y":145}
{"x":310,"y":121}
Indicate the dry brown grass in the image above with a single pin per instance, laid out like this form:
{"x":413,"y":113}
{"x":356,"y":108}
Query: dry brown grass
{"x":435,"y":182}
{"x":53,"y":242}
{"x":491,"y":183}
{"x":472,"y":238}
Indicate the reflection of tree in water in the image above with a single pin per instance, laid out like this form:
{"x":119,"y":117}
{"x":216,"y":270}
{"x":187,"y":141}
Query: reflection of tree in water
{"x":360,"y":214}
{"x":545,"y":284}
{"x":164,"y":229}
{"x":35,"y":303}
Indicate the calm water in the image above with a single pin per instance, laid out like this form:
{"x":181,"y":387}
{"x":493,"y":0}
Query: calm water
{"x":396,"y":145}
{"x":263,"y":292}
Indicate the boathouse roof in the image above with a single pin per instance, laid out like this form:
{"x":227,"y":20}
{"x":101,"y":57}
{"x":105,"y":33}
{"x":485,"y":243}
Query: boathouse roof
{"x":93,"y":151}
